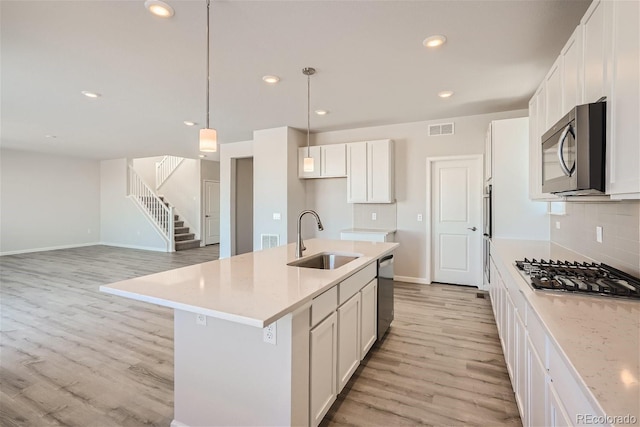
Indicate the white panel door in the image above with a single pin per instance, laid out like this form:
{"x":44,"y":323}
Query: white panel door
{"x":456,"y":213}
{"x":211,"y":212}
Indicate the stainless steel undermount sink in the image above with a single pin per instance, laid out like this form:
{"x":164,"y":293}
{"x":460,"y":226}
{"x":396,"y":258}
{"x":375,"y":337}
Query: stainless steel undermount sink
{"x":325,"y":260}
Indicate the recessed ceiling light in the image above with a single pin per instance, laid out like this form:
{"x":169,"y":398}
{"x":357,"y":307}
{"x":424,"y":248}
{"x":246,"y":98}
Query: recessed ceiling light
{"x":271,"y":79}
{"x":189,"y":123}
{"x":434,"y":41}
{"x":202,"y":156}
{"x":89,"y":94}
{"x":445,"y":94}
{"x":322,"y":112}
{"x":159,"y":8}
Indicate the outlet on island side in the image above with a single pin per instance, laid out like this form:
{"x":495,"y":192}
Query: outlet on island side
{"x":269,"y":334}
{"x":201,"y":319}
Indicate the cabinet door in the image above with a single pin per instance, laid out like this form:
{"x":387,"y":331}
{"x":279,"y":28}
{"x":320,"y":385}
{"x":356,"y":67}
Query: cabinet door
{"x":333,"y":160}
{"x":571,"y":72}
{"x":595,"y":39}
{"x":314,"y":152}
{"x":380,"y":171}
{"x":623,"y":149}
{"x":553,"y":88}
{"x":357,"y":172}
{"x":537,"y":389}
{"x":557,"y":415}
{"x":348,"y":339}
{"x":323,"y":346}
{"x":520,"y":368}
{"x":369,"y":320}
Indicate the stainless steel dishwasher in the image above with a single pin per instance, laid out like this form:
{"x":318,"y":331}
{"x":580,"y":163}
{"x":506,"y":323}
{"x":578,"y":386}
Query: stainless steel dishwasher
{"x":385,"y":294}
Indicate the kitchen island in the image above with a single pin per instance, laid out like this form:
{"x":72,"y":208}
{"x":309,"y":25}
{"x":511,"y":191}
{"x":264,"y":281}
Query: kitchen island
{"x":226,"y":373}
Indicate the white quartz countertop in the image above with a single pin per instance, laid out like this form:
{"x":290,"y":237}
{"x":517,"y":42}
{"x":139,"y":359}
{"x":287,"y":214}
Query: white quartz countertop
{"x":256,"y":288}
{"x":600,"y":336}
{"x":368,"y":231}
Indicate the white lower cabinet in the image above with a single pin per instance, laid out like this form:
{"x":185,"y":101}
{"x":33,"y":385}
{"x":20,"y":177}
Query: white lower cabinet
{"x":369,"y":318}
{"x":536,"y":402}
{"x":557,"y":415}
{"x":348,"y":339}
{"x":323,"y":368}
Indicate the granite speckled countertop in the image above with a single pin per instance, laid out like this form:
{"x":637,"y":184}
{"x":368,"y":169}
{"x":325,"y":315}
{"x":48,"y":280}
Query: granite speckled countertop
{"x":256,"y":288}
{"x":600,"y":336}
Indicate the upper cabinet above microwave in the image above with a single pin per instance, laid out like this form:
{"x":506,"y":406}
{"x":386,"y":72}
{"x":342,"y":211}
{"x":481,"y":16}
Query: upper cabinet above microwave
{"x":600,"y":59}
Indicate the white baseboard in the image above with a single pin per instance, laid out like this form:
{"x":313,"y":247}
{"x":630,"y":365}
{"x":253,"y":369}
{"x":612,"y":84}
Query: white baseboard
{"x":49,"y":248}
{"x":175,"y":423}
{"x":144,"y":248}
{"x":409,"y":279}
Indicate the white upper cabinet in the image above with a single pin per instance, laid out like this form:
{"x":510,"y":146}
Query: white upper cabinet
{"x":329,"y":161}
{"x":333,"y":160}
{"x":553,"y":88}
{"x":572,"y":72}
{"x":314,"y":153}
{"x":601,"y":59}
{"x":370,"y":172}
{"x":594,"y":39}
{"x":623,"y":109}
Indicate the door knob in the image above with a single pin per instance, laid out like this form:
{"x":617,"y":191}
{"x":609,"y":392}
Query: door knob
{"x":207,"y":216}
{"x":472,"y":228}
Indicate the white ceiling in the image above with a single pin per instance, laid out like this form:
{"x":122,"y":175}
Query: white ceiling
{"x":372,"y":68}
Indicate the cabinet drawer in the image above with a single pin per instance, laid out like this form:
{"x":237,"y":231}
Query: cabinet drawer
{"x":351,"y":285}
{"x":323,"y":305}
{"x":537,"y":335}
{"x":571,"y":393}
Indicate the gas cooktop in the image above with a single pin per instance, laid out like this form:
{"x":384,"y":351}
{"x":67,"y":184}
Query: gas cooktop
{"x":584,"y":278}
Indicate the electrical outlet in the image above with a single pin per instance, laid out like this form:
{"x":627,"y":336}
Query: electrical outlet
{"x":201,"y":319}
{"x":420,"y":217}
{"x":557,"y":225}
{"x":276,"y":216}
{"x":599,"y":234}
{"x":269,"y":334}
{"x":374,"y":216}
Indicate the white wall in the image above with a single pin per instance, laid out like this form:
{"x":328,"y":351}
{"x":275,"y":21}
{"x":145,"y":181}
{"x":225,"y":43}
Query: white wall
{"x":228,"y":152}
{"x":146,"y":169}
{"x":122,"y":222}
{"x":210,"y":170}
{"x":183,"y":191}
{"x":412,"y":147}
{"x":47,"y":201}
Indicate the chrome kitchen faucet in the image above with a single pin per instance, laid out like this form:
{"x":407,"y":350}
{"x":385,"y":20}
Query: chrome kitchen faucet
{"x":299,"y":243}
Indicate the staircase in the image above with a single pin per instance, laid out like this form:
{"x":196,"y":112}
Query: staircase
{"x":183,"y":238}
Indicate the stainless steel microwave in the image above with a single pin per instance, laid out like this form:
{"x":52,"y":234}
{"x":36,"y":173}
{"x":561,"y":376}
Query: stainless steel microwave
{"x":573,"y":152}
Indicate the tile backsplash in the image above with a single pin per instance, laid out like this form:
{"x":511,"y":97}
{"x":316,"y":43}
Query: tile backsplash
{"x":620,"y":222}
{"x":385,"y":213}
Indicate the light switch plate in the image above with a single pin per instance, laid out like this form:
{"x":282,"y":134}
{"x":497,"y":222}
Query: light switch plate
{"x":558,"y":225}
{"x":276,"y":216}
{"x":420,"y":217}
{"x":374,"y":216}
{"x":599,"y":234}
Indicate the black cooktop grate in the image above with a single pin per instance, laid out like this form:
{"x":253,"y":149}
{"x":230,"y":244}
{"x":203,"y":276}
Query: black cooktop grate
{"x":588,"y":278}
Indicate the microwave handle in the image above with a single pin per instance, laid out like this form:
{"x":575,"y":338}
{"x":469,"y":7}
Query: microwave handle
{"x":563,"y":137}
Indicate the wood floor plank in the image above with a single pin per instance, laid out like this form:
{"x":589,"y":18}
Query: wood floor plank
{"x":73,"y":356}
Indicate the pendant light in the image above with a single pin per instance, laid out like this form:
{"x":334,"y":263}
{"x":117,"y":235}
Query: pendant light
{"x":307,"y":165}
{"x":208,"y":137}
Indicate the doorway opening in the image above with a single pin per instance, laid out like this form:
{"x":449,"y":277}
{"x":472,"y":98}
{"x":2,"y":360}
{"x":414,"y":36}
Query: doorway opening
{"x":243,"y":214}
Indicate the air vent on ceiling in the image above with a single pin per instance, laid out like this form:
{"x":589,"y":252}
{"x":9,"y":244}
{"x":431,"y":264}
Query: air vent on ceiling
{"x":441,"y":129}
{"x":269,"y":240}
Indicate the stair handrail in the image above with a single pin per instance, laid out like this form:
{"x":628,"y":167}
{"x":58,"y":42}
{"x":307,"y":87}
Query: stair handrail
{"x":165,"y":167}
{"x":161,"y":215}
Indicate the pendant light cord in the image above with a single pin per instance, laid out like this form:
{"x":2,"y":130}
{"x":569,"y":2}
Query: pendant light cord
{"x":208,"y":78}
{"x":308,"y":111}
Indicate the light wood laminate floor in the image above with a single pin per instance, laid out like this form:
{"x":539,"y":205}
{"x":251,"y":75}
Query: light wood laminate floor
{"x":71,"y":355}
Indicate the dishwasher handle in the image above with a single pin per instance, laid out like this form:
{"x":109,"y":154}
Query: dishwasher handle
{"x":385,"y":260}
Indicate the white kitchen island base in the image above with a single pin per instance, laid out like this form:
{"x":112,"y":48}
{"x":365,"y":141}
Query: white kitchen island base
{"x":224,"y":371}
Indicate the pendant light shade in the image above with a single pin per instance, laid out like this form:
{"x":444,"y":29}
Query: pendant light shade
{"x":208,"y":140}
{"x":307,"y":165}
{"x":208,"y":136}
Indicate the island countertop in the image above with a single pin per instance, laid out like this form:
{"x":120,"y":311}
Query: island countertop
{"x":255,"y":288}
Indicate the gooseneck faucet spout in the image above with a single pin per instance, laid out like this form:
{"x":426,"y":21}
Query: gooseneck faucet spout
{"x":299,"y":243}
